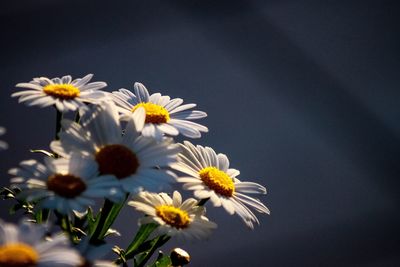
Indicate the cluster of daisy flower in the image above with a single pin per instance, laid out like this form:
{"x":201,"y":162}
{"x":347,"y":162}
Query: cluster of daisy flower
{"x":117,"y":147}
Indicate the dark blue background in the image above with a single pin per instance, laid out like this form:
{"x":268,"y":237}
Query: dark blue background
{"x":303,"y":96}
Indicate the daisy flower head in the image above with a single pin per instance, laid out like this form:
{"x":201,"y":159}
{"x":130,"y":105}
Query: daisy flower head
{"x":66,"y":94}
{"x":136,"y":161}
{"x":209,"y":176}
{"x":64,"y":184}
{"x":175,"y":218}
{"x":3,"y":145}
{"x":24,"y":245}
{"x":163,"y":114}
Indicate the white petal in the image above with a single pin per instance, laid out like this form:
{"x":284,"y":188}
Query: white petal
{"x":173,"y":103}
{"x":30,"y":86}
{"x":250,"y":187}
{"x":228,"y":206}
{"x":182,"y":108}
{"x":190,"y":115}
{"x":80,"y":82}
{"x":168,"y":129}
{"x":177,"y":199}
{"x":223,"y":162}
{"x":141,"y":92}
{"x":232,"y":173}
{"x":254,"y":203}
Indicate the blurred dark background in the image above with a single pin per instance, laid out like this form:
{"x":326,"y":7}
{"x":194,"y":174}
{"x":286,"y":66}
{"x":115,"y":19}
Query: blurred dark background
{"x":303,"y":96}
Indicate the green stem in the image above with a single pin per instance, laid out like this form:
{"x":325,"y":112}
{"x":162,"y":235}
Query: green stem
{"x":42,"y":216}
{"x":134,"y":247}
{"x":105,"y":211}
{"x":39,"y":216}
{"x":58,"y":124}
{"x":203,"y":201}
{"x":141,"y":236}
{"x":159,"y":241}
{"x":77,"y":117}
{"x":108,"y":214}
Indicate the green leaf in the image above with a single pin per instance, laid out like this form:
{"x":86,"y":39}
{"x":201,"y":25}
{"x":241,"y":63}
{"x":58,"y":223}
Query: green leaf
{"x":105,"y":219}
{"x":39,"y":216}
{"x":141,"y":236}
{"x":162,"y":261}
{"x":92,"y":221}
{"x":165,"y":261}
{"x":155,"y":244}
{"x":110,"y":218}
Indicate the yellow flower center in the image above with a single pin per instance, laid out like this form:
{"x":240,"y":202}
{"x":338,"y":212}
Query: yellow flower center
{"x":18,"y":255}
{"x":218,"y":181}
{"x":173,"y":216}
{"x":117,"y":160}
{"x":63,"y":91}
{"x":66,"y":185}
{"x":154,"y":113}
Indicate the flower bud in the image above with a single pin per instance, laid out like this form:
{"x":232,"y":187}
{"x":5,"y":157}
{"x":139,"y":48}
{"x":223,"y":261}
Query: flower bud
{"x":179,"y":257}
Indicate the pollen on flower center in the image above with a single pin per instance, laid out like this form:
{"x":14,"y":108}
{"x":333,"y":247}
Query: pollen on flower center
{"x":63,"y":91}
{"x":173,"y":216}
{"x":117,"y":160}
{"x":18,"y":255}
{"x":218,"y":181}
{"x":66,"y":185}
{"x":154,"y":113}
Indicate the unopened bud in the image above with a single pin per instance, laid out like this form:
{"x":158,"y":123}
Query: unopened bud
{"x":179,"y":257}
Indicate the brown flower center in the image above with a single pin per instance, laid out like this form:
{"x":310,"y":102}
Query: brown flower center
{"x":117,"y":160}
{"x":66,"y":185}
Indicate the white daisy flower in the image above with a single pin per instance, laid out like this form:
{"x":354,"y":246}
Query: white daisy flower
{"x":65,"y":184}
{"x":184,"y":220}
{"x":163,"y":115}
{"x":134,"y":159}
{"x":3,"y":145}
{"x":24,"y":246}
{"x":66,"y":94}
{"x":209,"y":176}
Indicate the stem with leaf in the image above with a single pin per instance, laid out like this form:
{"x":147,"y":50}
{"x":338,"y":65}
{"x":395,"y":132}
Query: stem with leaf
{"x":136,"y":246}
{"x":108,"y":214}
{"x":155,"y":244}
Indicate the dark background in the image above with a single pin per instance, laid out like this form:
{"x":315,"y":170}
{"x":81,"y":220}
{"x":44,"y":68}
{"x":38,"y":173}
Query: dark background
{"x":303,"y":96}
